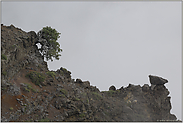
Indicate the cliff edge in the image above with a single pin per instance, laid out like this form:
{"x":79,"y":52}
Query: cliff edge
{"x":30,"y":92}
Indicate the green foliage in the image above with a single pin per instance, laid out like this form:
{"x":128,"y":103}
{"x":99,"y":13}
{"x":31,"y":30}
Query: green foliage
{"x":63,"y":91}
{"x":34,"y":90}
{"x":50,"y":48}
{"x":110,"y":92}
{"x":11,"y":108}
{"x":76,"y":99}
{"x":51,"y":73}
{"x":81,"y":115}
{"x":36,"y":77}
{"x":61,"y":95}
{"x":97,"y":95}
{"x":29,"y":86}
{"x":26,"y":89}
{"x":44,"y":120}
{"x":4,"y":73}
{"x":63,"y":71}
{"x":3,"y":57}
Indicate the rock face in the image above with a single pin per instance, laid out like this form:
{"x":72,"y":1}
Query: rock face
{"x":155,"y":80}
{"x":55,"y":96}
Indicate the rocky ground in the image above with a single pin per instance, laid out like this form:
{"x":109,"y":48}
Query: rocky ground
{"x":30,"y":92}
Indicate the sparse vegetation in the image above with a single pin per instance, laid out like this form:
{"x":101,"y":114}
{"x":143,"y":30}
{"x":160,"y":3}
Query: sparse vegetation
{"x":97,"y":95}
{"x":63,"y":70}
{"x":4,"y":57}
{"x":11,"y":108}
{"x":76,"y":99}
{"x":34,"y":90}
{"x":61,"y":95}
{"x":110,"y":92}
{"x":81,"y":115}
{"x":36,"y":77}
{"x":51,"y":73}
{"x":26,"y":89}
{"x":28,"y":86}
{"x":63,"y":91}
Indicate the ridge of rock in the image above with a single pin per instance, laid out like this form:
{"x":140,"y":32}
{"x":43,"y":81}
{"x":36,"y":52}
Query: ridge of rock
{"x":30,"y":92}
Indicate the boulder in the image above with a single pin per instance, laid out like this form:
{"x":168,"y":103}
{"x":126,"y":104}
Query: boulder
{"x":79,"y":81}
{"x":155,"y":80}
{"x":112,"y":88}
{"x":145,"y":87}
{"x":86,"y":84}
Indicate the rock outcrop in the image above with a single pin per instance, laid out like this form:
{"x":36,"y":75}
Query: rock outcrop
{"x":155,"y":80}
{"x":55,"y":96}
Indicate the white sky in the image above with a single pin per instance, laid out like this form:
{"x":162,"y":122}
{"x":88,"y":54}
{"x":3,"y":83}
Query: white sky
{"x":110,"y":43}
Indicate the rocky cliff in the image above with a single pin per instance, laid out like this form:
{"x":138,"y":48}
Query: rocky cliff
{"x":30,"y":92}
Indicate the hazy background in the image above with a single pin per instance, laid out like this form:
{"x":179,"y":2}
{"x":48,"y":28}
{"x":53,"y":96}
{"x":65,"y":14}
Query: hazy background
{"x":110,"y":43}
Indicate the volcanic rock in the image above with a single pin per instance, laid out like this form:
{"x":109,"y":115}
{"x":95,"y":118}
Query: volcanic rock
{"x":155,"y":80}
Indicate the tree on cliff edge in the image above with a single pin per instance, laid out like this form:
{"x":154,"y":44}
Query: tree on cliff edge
{"x":50,"y":48}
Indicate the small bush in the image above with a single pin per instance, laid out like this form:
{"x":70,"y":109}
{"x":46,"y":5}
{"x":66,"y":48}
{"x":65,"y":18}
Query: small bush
{"x":28,"y":86}
{"x":82,"y":115}
{"x":76,"y":99}
{"x":64,"y":71}
{"x":34,"y":90}
{"x":3,"y":57}
{"x":61,"y":95}
{"x":26,"y":89}
{"x":11,"y":108}
{"x":36,"y":77}
{"x":51,"y":73}
{"x":63,"y":91}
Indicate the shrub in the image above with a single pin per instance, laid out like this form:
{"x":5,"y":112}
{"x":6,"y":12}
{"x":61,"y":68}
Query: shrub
{"x":63,"y":91}
{"x":36,"y":77}
{"x":44,"y":120}
{"x":61,"y":95}
{"x":26,"y":89}
{"x":28,"y":86}
{"x":3,"y":57}
{"x":82,"y":115}
{"x":11,"y":108}
{"x":51,"y":73}
{"x":34,"y":90}
{"x":76,"y":99}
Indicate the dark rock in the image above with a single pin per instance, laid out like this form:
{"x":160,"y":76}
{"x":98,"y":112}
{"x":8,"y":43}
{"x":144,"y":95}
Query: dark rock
{"x":121,"y":89}
{"x":145,"y":87}
{"x":155,"y":80}
{"x":86,"y":84}
{"x":112,"y":88}
{"x":79,"y":81}
{"x":51,"y":80}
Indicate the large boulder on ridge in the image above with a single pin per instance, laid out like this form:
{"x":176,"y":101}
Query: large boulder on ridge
{"x":155,"y":80}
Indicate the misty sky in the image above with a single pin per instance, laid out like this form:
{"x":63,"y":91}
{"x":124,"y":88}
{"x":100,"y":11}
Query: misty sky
{"x":110,"y":43}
